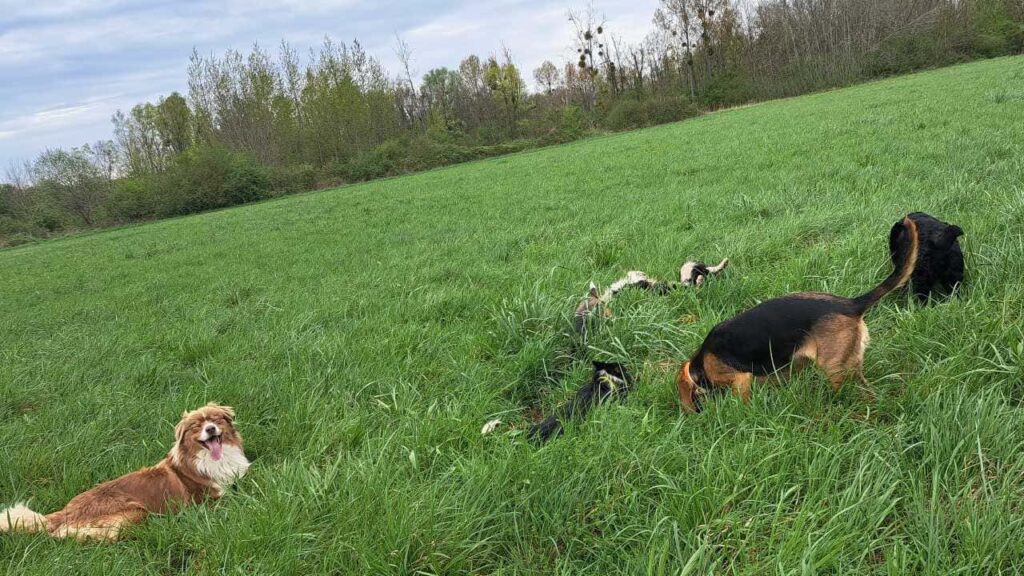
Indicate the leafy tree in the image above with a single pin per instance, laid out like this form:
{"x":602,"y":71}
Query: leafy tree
{"x":508,"y":89}
{"x":72,"y":179}
{"x":441,"y":91}
{"x":173,"y":122}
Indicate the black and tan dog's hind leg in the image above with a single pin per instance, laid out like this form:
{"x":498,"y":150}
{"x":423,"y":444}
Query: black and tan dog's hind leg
{"x":836,"y":346}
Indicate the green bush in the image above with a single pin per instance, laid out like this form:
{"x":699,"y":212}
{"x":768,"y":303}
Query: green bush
{"x":728,"y":89}
{"x":14,"y":231}
{"x":995,"y":30}
{"x":630,"y":113}
{"x":133,"y":198}
{"x":420,"y":152}
{"x":377,"y":163}
{"x":625,"y":114}
{"x":904,"y":53}
{"x":293,"y":179}
{"x":556,"y":124}
{"x":572,"y":124}
{"x":204,"y":178}
{"x":664,"y":109}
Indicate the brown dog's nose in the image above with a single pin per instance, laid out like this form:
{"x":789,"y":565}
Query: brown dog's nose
{"x":211,"y":429}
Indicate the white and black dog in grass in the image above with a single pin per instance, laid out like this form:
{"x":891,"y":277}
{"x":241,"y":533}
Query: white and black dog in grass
{"x":608,"y":380}
{"x":690,"y":274}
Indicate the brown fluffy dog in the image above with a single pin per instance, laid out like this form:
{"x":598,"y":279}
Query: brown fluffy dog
{"x":808,"y":327}
{"x":206,"y":459}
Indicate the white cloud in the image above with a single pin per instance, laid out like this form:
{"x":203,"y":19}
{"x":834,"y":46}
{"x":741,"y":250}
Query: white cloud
{"x":51,"y":119}
{"x":20,"y":9}
{"x":532,"y":31}
{"x":68,"y":65}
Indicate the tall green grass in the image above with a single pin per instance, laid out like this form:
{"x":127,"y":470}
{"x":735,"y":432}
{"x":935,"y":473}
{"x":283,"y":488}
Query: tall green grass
{"x":365,"y":334}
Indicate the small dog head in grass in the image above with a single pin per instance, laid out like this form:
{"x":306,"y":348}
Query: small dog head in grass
{"x":608,"y":380}
{"x":696,"y":273}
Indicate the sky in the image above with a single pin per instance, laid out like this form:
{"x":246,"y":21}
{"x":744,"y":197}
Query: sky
{"x":67,"y":65}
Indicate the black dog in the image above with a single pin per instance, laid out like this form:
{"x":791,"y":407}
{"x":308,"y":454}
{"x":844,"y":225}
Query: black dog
{"x":607,"y":381}
{"x":940,"y":262}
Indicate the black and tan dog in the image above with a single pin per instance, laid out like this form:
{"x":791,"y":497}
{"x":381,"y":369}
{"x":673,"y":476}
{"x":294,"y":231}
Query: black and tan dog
{"x":808,"y":327}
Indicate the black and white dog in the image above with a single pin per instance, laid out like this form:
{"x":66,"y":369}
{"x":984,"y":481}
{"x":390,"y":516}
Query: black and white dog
{"x":690,"y":274}
{"x":607,"y":381}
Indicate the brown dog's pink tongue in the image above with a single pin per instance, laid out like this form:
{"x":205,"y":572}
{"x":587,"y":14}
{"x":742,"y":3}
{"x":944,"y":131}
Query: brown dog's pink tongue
{"x":216,"y":448}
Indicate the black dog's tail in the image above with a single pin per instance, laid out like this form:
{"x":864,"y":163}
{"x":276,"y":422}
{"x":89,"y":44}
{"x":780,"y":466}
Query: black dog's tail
{"x":900,"y":274}
{"x":606,"y":382}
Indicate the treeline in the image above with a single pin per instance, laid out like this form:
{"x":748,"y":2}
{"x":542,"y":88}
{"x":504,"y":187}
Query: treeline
{"x":257,"y":125}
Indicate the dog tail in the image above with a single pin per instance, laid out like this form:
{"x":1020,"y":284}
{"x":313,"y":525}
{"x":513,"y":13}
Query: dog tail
{"x":19,"y":517}
{"x":900,"y":274}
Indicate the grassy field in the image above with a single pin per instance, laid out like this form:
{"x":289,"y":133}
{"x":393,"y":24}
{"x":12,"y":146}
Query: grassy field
{"x":365,"y":334}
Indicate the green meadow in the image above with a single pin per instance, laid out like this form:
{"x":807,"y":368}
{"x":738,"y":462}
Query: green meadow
{"x":365,"y":334}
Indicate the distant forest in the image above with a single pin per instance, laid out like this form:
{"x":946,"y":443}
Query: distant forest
{"x":258,"y":125}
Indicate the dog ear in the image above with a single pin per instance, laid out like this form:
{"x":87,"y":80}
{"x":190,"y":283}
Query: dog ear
{"x":229,"y":412}
{"x":179,"y":429}
{"x":687,"y":390}
{"x":614,"y":368}
{"x":949,"y":236}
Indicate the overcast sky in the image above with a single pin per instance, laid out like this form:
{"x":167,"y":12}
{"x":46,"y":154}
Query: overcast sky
{"x":67,"y":65}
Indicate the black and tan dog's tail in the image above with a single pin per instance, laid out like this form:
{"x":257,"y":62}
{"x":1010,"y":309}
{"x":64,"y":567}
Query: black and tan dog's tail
{"x":900,"y":274}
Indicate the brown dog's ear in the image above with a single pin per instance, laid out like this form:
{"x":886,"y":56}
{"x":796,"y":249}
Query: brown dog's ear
{"x":228,"y":412}
{"x":179,"y":429}
{"x":687,"y":390}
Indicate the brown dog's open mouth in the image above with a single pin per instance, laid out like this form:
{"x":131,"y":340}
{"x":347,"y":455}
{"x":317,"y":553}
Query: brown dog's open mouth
{"x":215,"y":446}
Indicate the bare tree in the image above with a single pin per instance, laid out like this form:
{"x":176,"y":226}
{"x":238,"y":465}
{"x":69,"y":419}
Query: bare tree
{"x":17,"y":199}
{"x":547,"y":76}
{"x":406,"y":94}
